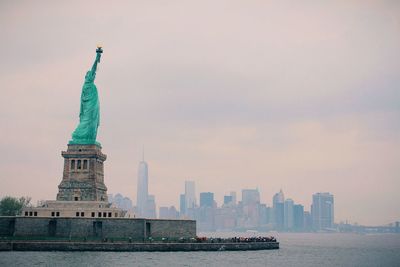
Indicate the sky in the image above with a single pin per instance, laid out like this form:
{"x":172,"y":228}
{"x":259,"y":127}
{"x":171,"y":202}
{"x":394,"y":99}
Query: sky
{"x":301,"y":96}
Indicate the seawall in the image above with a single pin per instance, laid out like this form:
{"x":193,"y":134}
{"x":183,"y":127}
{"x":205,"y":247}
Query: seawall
{"x":100,"y":246}
{"x":138,"y":229}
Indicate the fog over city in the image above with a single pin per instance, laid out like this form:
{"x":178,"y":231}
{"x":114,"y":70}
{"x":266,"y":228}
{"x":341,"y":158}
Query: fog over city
{"x":233,"y":95}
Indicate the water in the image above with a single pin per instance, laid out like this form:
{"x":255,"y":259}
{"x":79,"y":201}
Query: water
{"x":295,"y":250}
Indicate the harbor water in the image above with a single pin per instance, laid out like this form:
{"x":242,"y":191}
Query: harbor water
{"x":302,"y":249}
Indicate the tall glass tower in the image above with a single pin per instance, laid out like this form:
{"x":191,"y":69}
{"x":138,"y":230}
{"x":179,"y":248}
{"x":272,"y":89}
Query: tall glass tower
{"x":322,"y":211}
{"x":278,"y":206}
{"x":142,"y":189}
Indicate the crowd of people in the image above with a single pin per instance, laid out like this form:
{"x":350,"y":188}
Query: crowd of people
{"x":235,"y":239}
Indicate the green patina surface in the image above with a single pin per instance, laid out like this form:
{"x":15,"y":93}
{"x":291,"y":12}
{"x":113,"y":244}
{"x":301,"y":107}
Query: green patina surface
{"x":89,"y":115}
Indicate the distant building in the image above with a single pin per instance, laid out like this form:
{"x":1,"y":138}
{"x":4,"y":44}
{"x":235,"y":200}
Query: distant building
{"x":250,"y":196}
{"x":121,"y":202}
{"x":278,"y":210}
{"x":190,"y":195}
{"x":228,"y":200}
{"x":233,"y":195}
{"x":322,"y":211}
{"x":307,"y":221}
{"x":288,"y":214}
{"x":205,"y":214}
{"x":207,"y":199}
{"x":182,"y":204}
{"x":168,"y":213}
{"x":298,"y":217}
{"x":250,"y":208}
{"x":163,"y":213}
{"x":263,"y":215}
{"x":142,"y":190}
{"x":151,"y":207}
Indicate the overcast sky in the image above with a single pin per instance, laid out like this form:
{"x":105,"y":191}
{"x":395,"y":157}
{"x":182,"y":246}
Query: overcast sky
{"x":300,"y":95}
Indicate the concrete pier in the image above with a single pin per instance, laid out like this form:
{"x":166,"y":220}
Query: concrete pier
{"x":102,"y":246}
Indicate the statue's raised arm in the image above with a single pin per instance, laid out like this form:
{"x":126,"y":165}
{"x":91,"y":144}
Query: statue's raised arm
{"x":99,"y":51}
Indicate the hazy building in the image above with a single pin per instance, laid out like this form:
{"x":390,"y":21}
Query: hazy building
{"x":263,"y":215}
{"x":227,"y":200}
{"x":233,"y":195}
{"x":207,"y":199}
{"x":250,"y":196}
{"x":205,"y":215}
{"x":163,"y":213}
{"x":279,"y":197}
{"x":121,"y":202}
{"x":288,"y":214}
{"x":190,"y":195}
{"x":182,"y":204}
{"x":298,"y":217}
{"x":250,"y":206}
{"x":168,"y":213}
{"x":151,"y":207}
{"x":322,"y":211}
{"x":173,"y":213}
{"x":278,"y":210}
{"x":142,"y":190}
{"x":307,"y":221}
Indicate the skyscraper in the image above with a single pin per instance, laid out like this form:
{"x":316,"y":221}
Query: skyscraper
{"x":251,"y":208}
{"x":288,"y":214}
{"x":207,"y":199}
{"x":227,"y":200}
{"x":233,"y":195}
{"x":298,"y":217}
{"x":190,"y":195}
{"x":182,"y":204}
{"x":278,"y":209}
{"x":250,"y":196}
{"x":322,"y":211}
{"x":151,"y":207}
{"x":142,"y":189}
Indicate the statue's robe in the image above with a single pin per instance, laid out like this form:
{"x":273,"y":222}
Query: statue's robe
{"x":89,"y":116}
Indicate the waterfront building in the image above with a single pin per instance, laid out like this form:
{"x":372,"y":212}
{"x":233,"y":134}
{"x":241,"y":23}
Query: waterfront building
{"x":322,"y":211}
{"x":226,"y":218}
{"x":190,"y":195}
{"x":121,"y":202}
{"x":207,"y":199}
{"x":168,"y":213}
{"x":182,"y":204}
{"x":142,"y":189}
{"x":307,"y":221}
{"x":250,"y":208}
{"x":298,"y":217}
{"x":151,"y":207}
{"x":288,"y":214}
{"x":233,"y":195}
{"x":278,"y":210}
{"x":228,"y":200}
{"x":205,"y":215}
{"x":263,"y":215}
{"x":163,"y":213}
{"x":250,"y":196}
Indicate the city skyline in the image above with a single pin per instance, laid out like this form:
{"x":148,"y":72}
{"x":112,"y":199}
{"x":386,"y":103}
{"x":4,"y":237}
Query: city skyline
{"x":302,"y":97}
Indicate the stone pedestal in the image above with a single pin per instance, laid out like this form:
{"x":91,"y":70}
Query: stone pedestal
{"x":83,"y":176}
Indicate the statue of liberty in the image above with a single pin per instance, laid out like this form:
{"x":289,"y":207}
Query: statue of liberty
{"x":89,"y":115}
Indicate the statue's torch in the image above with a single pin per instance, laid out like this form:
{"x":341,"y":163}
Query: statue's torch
{"x":99,"y":51}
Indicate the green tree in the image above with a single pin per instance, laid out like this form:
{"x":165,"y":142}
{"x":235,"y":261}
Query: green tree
{"x":11,"y":206}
